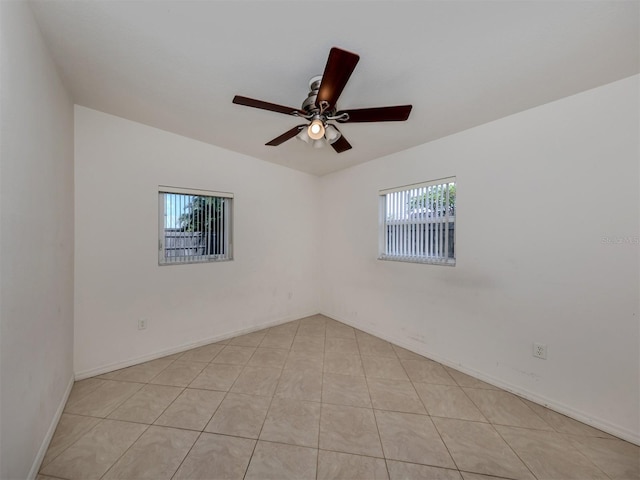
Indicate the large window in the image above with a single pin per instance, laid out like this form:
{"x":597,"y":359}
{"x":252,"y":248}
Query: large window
{"x":194,"y":226}
{"x":417,"y":222}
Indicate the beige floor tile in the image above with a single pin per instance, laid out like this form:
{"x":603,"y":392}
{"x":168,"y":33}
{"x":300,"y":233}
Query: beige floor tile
{"x":275,"y":461}
{"x":240,"y":415}
{"x":383,"y":367}
{"x":313,"y":320}
{"x":217,"y":377}
{"x":617,"y":458}
{"x":308,"y":343}
{"x":105,"y":399}
{"x":412,"y":438}
{"x":234,"y":355}
{"x":504,"y":408}
{"x":477,"y":476}
{"x":70,"y":428}
{"x":174,"y":356}
{"x":341,"y":345}
{"x":143,"y":372}
{"x":427,"y":371}
{"x":477,"y":447}
{"x":257,"y":381}
{"x":312,"y":329}
{"x":92,"y":455}
{"x":179,"y":373}
{"x":289,"y":328}
{"x":216,"y":456}
{"x":252,"y":339}
{"x":192,"y":410}
{"x":268,"y":357}
{"x":563,"y":424}
{"x":292,"y":368}
{"x":448,"y":401}
{"x":405,"y":471}
{"x":109,"y":375}
{"x":396,"y":395}
{"x":340,"y":330}
{"x":548,"y":455}
{"x":301,"y":384}
{"x":83,"y":388}
{"x":205,"y":353}
{"x":146,"y":404}
{"x":343,"y":364}
{"x":373,"y":346}
{"x":156,"y":455}
{"x":300,"y":359}
{"x":302,"y":356}
{"x":344,"y":466}
{"x":345,"y":390}
{"x":404,"y":354}
{"x":349,"y":430}
{"x":276,"y":340}
{"x":464,"y":380}
{"x":295,"y":422}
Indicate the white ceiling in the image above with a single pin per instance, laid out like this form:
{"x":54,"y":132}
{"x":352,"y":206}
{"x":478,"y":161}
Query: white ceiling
{"x":176,"y":65}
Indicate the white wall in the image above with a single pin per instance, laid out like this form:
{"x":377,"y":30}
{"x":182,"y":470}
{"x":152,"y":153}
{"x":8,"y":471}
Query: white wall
{"x":537,"y":193}
{"x":36,"y":244}
{"x":118,"y":167}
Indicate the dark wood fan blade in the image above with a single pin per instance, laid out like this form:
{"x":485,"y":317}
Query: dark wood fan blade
{"x":378,"y":114}
{"x":337,"y":71}
{"x":272,"y":107}
{"x":285,"y":136}
{"x":341,"y":145}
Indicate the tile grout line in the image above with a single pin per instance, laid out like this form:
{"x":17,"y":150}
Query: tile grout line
{"x":152,"y":424}
{"x":324,"y":354}
{"x":501,"y":437}
{"x":123,"y":453}
{"x":435,"y":427}
{"x":375,"y":419}
{"x":201,"y":432}
{"x":69,"y":446}
{"x":545,"y":431}
{"x":187,"y":454}
{"x":267,"y":412}
{"x":102,"y":419}
{"x":148,"y":425}
{"x":225,"y":396}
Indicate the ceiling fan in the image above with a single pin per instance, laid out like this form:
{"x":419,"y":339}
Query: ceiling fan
{"x":319,"y":108}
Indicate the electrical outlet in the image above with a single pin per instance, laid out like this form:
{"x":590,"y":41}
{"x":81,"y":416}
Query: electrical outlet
{"x":540,"y":350}
{"x":142,"y":324}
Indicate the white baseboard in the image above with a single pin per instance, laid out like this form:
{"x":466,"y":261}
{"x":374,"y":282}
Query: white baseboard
{"x":600,"y":424}
{"x":181,"y":348}
{"x":52,"y":429}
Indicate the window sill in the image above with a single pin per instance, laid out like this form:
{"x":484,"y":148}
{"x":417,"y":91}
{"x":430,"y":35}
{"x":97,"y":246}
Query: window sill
{"x":191,"y":262}
{"x":446,"y":262}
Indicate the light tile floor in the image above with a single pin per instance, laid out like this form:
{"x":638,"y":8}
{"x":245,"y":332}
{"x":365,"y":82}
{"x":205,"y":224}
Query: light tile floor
{"x":317,"y":399}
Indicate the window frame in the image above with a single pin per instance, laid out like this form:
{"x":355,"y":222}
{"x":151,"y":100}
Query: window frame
{"x":227,"y":228}
{"x":449,"y":221}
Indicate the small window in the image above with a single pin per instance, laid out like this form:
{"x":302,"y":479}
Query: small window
{"x":417,"y":223}
{"x":194,"y":226}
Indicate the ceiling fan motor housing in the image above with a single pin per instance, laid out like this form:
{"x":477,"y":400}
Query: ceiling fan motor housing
{"x":309,"y":104}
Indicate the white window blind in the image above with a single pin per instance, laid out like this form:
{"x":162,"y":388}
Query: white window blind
{"x":417,"y":222}
{"x":194,"y":226}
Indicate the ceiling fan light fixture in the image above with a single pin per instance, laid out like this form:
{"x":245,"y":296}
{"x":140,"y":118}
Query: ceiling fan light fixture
{"x":316,"y":129}
{"x":303,"y":135}
{"x":332,"y":134}
{"x":318,"y":143}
